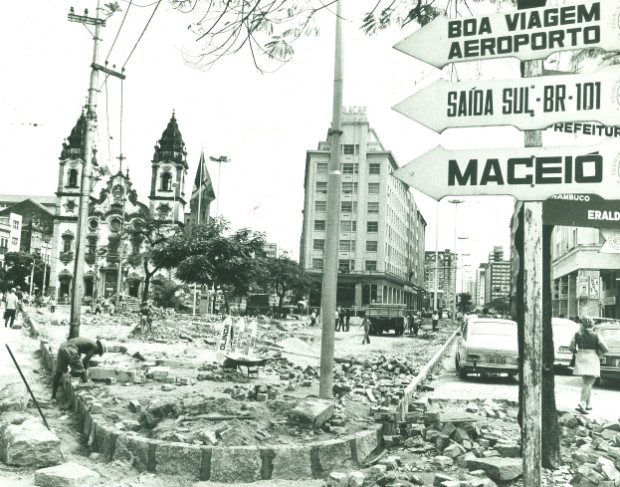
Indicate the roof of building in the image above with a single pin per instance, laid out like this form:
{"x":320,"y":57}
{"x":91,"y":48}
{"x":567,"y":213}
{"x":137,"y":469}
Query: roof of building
{"x":171,"y":146}
{"x":18,"y":198}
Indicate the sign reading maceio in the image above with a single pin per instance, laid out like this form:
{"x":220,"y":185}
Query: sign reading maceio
{"x":526,"y":103}
{"x":524,"y":34}
{"x":528,"y":174}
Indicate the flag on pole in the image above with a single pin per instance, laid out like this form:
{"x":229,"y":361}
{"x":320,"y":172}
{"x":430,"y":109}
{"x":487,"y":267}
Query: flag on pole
{"x":202,"y":192}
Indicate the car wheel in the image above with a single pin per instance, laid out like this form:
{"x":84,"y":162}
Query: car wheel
{"x":462,"y":373}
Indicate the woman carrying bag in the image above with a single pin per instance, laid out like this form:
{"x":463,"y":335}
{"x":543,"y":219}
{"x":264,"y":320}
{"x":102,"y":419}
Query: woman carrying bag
{"x":588,"y":347}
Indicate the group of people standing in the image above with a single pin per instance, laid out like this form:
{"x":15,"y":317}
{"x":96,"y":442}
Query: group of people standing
{"x":343,"y":317}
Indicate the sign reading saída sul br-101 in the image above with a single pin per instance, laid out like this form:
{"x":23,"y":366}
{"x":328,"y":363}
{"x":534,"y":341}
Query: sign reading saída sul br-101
{"x":524,"y":34}
{"x":526,"y":103}
{"x":582,"y":210}
{"x":528,"y":174}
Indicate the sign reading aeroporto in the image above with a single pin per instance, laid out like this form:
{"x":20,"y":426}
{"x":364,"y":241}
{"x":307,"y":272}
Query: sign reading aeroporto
{"x":524,"y":34}
{"x":528,"y":174}
{"x":526,"y":103}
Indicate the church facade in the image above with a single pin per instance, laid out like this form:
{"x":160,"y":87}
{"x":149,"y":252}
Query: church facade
{"x":109,"y":250}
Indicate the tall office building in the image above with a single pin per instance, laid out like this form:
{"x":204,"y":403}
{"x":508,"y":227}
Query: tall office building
{"x":496,"y":277}
{"x":381,"y":240}
{"x":446,"y":279}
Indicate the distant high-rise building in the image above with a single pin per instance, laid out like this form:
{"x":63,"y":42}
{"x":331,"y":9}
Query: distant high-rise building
{"x":381,"y":239}
{"x":446,"y":279}
{"x":496,"y":276}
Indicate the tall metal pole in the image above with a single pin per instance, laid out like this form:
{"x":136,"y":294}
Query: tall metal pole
{"x":45,"y":260}
{"x":198,"y":219}
{"x":330,"y":259}
{"x":85,"y":185}
{"x":436,"y":284}
{"x":455,"y":203}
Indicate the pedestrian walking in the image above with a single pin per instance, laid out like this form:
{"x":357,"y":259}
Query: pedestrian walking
{"x":52,"y":304}
{"x":69,"y":354}
{"x":588,"y":347}
{"x":340,"y":319}
{"x":313,"y":318}
{"x":12,"y":302}
{"x":435,"y":319}
{"x":366,"y":325}
{"x":347,"y":318}
{"x":337,"y":318}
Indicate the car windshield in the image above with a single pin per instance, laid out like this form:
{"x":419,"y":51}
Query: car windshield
{"x":493,"y":328}
{"x":611,"y":337}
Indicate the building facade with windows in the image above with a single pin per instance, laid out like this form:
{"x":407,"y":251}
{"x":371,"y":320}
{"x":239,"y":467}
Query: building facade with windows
{"x":585,"y":280}
{"x":446,"y":279}
{"x":496,"y":277}
{"x":382,"y":232}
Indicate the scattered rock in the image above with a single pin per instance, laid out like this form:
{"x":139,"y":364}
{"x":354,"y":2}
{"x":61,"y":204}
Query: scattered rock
{"x":498,"y":468}
{"x":66,"y":475}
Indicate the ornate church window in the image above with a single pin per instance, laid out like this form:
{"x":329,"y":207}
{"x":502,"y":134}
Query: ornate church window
{"x":73,"y":175}
{"x":166,"y":182}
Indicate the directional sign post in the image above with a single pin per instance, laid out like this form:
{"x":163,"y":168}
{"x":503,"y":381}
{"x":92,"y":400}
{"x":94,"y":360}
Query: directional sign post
{"x":526,"y":103}
{"x":528,"y":174}
{"x":582,"y":210}
{"x":525,"y":34}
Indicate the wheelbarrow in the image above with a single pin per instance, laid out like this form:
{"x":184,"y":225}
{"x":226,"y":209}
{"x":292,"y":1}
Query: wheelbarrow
{"x":253,"y":364}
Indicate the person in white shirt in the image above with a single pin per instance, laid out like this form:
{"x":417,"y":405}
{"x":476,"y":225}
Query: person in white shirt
{"x":11,"y":308}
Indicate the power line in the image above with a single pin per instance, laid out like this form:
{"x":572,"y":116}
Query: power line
{"x":142,"y":34}
{"x":118,"y":31}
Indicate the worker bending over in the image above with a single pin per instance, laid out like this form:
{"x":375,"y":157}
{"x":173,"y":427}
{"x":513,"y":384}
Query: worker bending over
{"x":69,"y":354}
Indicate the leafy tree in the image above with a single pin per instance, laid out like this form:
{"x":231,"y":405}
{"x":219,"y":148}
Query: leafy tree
{"x":501,"y":305}
{"x":209,"y":253}
{"x":153,"y":232}
{"x":18,"y":266}
{"x":284,"y":275}
{"x":169,"y":294}
{"x":464,"y":302}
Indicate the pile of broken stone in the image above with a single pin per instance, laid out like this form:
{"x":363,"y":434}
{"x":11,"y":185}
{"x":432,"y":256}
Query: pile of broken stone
{"x":477,"y":444}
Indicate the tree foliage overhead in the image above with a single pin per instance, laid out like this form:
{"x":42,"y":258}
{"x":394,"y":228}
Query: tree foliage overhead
{"x":284,"y":275}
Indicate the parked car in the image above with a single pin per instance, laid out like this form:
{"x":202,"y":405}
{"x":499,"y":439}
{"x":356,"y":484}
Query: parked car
{"x":563,"y":332}
{"x":386,"y":317}
{"x":610,"y":362}
{"x":487,"y":345}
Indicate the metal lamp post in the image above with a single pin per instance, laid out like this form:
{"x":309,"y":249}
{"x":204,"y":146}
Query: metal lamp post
{"x":455,"y":202}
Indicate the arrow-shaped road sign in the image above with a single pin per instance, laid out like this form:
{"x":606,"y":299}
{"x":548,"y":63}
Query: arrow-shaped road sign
{"x":526,"y":103}
{"x":525,"y":34}
{"x":528,"y":174}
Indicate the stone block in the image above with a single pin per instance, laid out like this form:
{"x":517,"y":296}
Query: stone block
{"x":13,"y":396}
{"x":134,"y":406}
{"x":66,"y":475}
{"x":453,"y":450}
{"x":498,"y":468}
{"x":337,"y":479}
{"x":105,"y":439}
{"x":291,"y":462}
{"x":133,"y":450}
{"x":312,"y":412}
{"x":331,"y":454}
{"x":159,"y":373}
{"x":178,"y":459}
{"x":355,"y":479}
{"x":441,"y":461}
{"x":365,"y":443}
{"x":440,"y":478}
{"x":235,"y":465}
{"x":29,"y":443}
{"x":511,"y":450}
{"x":102,"y":373}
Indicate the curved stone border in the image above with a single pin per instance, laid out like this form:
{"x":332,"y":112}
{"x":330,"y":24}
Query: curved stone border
{"x":403,"y":405}
{"x":221,"y":464}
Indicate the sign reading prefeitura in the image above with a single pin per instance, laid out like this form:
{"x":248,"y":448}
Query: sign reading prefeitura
{"x":524,"y":34}
{"x":528,"y":174}
{"x":526,"y":103}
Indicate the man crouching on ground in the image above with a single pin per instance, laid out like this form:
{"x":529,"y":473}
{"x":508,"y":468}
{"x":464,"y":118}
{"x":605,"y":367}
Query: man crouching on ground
{"x":69,"y":355}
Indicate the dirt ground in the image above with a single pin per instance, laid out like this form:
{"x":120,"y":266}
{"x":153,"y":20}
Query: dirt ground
{"x":292,"y":374}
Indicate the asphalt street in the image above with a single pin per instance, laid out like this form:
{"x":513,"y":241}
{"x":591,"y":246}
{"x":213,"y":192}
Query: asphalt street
{"x":605,"y":397}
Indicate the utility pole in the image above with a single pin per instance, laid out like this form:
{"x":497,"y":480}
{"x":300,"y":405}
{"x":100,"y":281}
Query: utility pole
{"x":45,"y":260}
{"x":436,"y":283}
{"x":455,"y":202}
{"x":330,"y":259}
{"x":77,"y":289}
{"x":32,"y":277}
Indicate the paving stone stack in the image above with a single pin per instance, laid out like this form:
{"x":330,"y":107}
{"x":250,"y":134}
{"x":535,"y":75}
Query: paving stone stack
{"x":595,"y":457}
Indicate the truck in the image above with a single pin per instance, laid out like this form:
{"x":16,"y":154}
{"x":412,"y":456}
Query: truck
{"x":386,"y":317}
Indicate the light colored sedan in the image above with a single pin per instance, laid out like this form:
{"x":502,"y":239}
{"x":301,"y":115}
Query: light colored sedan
{"x":563,"y":332}
{"x":610,"y":362}
{"x":487,"y":345}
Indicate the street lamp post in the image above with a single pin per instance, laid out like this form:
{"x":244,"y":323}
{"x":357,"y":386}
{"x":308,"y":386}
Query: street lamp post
{"x":455,"y":202}
{"x":219,"y":160}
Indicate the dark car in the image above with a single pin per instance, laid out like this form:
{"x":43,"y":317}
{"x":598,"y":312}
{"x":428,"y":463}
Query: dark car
{"x":610,"y":362}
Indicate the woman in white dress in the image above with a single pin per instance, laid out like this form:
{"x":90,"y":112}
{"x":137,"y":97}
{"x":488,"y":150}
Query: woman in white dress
{"x":589,"y":347}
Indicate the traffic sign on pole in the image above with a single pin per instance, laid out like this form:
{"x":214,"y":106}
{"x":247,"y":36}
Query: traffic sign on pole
{"x":528,"y":174}
{"x":525,"y":34}
{"x":581,"y":210}
{"x":526,"y":103}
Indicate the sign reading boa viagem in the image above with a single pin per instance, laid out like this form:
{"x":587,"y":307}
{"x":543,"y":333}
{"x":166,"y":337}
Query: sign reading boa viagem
{"x":524,"y":34}
{"x":528,"y":174}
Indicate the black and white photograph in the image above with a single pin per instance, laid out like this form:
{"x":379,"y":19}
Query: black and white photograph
{"x":310,"y":243}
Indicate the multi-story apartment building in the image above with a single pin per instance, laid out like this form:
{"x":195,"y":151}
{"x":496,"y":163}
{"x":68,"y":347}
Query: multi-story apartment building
{"x":585,"y":280}
{"x":381,"y":239}
{"x":496,"y":277}
{"x":480,"y":289}
{"x":446,"y":279}
{"x":10,"y":234}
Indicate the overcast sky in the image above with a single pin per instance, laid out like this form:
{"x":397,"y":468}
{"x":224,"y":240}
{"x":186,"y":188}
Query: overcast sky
{"x":263,"y":122}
